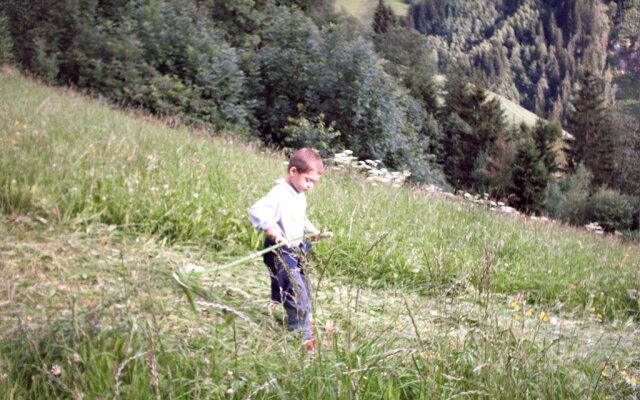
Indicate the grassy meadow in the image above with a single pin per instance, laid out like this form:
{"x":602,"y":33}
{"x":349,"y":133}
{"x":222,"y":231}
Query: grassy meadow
{"x":416,"y":297}
{"x":364,"y":9}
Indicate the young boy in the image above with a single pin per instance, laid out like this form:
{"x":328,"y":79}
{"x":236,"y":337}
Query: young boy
{"x":282,"y":215}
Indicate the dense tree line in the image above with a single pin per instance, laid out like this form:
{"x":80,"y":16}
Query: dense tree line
{"x":563,"y":60}
{"x":293,"y":73}
{"x":531,"y":51}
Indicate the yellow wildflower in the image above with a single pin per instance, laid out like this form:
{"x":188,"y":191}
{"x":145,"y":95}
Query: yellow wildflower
{"x":544,"y":317}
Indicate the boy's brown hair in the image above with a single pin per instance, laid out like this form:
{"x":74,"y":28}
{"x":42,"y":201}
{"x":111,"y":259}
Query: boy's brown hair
{"x":305,"y":159}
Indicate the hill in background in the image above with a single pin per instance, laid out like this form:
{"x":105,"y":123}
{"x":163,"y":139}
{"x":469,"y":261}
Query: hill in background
{"x":363,"y":9}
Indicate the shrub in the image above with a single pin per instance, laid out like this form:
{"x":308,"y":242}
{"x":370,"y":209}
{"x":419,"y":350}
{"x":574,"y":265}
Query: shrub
{"x":304,"y":133}
{"x":612,"y":210}
{"x":566,"y":199}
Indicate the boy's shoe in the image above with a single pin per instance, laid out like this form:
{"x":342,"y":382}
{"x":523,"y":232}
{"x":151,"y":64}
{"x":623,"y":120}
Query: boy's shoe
{"x":310,"y":345}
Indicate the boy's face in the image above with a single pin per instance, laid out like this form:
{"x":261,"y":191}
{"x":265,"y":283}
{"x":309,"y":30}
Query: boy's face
{"x":304,"y":181}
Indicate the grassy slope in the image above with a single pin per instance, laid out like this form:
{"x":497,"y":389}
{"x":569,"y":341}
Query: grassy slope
{"x":416,"y":295}
{"x":363,"y":9}
{"x":515,"y":114}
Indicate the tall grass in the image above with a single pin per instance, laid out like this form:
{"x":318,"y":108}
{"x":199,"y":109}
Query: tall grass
{"x":101,"y":321}
{"x":79,"y":162}
{"x":417,"y":296}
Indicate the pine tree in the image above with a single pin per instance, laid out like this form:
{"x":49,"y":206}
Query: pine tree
{"x":593,"y":143}
{"x":545,"y":135}
{"x":472,"y":128}
{"x":383,"y":18}
{"x":534,"y":162}
{"x":530,"y":177}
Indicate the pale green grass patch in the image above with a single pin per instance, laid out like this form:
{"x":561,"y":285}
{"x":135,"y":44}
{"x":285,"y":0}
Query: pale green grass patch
{"x":364,"y":9}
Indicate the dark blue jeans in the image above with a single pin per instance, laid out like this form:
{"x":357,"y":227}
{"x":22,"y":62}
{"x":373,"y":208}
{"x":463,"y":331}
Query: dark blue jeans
{"x":290,"y":286}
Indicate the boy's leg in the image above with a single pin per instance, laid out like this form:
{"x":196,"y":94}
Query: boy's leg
{"x":296,"y":299}
{"x":270,"y":260}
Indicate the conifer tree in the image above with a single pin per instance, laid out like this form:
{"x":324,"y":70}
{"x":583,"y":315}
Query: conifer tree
{"x":383,"y":18}
{"x":593,"y":143}
{"x":530,"y":177}
{"x":534,"y":162}
{"x":472,"y":127}
{"x":545,"y":135}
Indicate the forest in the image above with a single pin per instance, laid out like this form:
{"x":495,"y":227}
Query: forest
{"x":409,"y":90}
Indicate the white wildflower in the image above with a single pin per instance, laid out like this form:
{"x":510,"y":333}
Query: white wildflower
{"x":56,"y":370}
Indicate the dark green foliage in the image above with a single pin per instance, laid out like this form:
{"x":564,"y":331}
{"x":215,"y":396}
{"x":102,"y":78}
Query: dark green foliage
{"x":545,"y":136}
{"x":611,"y":210}
{"x":114,"y":62}
{"x":6,"y":44}
{"x":530,"y":176}
{"x":526,"y":50}
{"x":163,"y":56}
{"x":335,"y":73}
{"x":473,"y":128}
{"x":377,"y":119}
{"x":20,"y":19}
{"x":413,"y":60}
{"x":316,"y":134}
{"x":37,"y":44}
{"x":627,"y":175}
{"x":383,"y":18}
{"x":593,"y":142}
{"x":280,"y":72}
{"x":567,"y":198}
{"x":322,"y":12}
{"x":193,"y":70}
{"x":628,"y":18}
{"x":240,"y":20}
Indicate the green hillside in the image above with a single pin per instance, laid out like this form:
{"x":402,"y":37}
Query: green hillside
{"x":514,"y":113}
{"x":417,"y":296}
{"x":363,"y":9}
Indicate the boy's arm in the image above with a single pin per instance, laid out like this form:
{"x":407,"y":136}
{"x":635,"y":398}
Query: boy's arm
{"x":310,"y":228}
{"x":264,"y":215}
{"x":317,"y":234}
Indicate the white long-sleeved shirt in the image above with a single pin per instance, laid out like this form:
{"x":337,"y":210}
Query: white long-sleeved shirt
{"x":284,"y":210}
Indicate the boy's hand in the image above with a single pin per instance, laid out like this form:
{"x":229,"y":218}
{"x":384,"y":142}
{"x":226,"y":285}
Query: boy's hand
{"x":282,"y":240}
{"x":276,"y":237}
{"x":326,"y":235}
{"x":322,"y":235}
